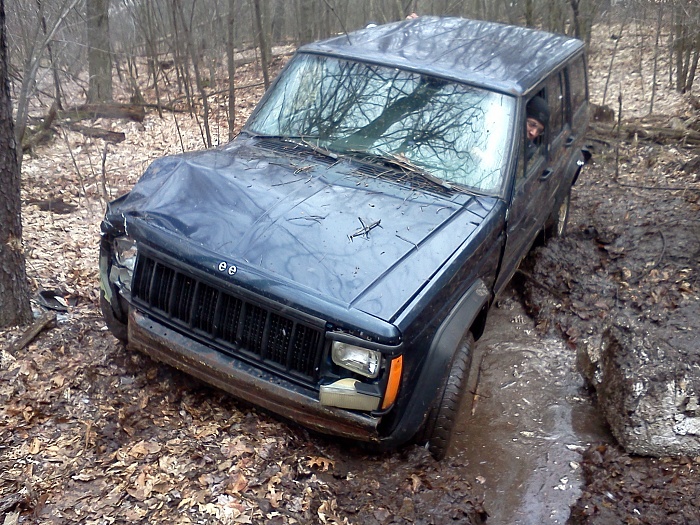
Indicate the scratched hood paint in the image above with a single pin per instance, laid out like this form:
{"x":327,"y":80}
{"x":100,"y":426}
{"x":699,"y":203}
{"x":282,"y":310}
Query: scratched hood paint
{"x":306,"y":221}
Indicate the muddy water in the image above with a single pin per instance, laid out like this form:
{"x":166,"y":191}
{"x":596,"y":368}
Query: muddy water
{"x":523,"y":433}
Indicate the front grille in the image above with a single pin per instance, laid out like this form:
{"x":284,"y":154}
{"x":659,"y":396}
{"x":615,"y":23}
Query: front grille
{"x":231,"y":324}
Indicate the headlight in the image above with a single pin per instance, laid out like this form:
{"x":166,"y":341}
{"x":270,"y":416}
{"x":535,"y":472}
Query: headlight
{"x":125,"y":260}
{"x":364,"y":361}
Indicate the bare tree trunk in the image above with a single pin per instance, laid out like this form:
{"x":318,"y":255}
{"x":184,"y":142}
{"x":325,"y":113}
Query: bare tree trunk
{"x":14,"y":291}
{"x":152,"y":51}
{"x":183,"y":75}
{"x":640,"y":47}
{"x":99,"y":55}
{"x":693,"y":68}
{"x":52,"y":61}
{"x":659,"y":19}
{"x":612,"y":60}
{"x":575,"y":17}
{"x":555,"y":19}
{"x":693,"y":46}
{"x":529,"y":13}
{"x":186,"y":28}
{"x":230,"y":54}
{"x":263,"y":41}
{"x":590,"y":10}
{"x":511,"y":10}
{"x":679,"y":47}
{"x":305,"y":17}
{"x":671,"y":39}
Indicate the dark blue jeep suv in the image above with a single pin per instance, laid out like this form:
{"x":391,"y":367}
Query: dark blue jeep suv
{"x":335,"y":262}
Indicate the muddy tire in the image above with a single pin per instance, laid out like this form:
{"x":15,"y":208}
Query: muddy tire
{"x":118,"y":329}
{"x":556,"y":225}
{"x":443,"y":415}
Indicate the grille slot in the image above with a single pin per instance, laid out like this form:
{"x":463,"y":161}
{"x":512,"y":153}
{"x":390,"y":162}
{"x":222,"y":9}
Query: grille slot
{"x":229,"y":323}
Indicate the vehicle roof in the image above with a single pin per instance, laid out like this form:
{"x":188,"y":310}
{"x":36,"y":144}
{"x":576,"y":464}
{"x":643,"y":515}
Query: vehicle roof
{"x":505,"y":58}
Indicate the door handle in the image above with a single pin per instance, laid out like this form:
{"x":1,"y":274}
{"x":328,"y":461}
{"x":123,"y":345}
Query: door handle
{"x":569,"y":142}
{"x":546,"y":174}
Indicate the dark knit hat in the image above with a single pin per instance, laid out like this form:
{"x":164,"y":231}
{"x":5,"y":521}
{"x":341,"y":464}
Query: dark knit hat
{"x":537,"y":109}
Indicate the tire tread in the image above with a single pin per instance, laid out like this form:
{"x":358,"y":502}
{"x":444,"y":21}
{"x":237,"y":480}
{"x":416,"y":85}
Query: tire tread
{"x":442,"y":417}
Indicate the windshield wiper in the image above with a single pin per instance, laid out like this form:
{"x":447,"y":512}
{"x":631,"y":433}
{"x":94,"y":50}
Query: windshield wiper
{"x":314,"y":147}
{"x":399,"y":162}
{"x":297,"y":140}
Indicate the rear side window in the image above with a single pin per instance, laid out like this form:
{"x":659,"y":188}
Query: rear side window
{"x":577,"y":83}
{"x":555,"y":100}
{"x":578,"y":93}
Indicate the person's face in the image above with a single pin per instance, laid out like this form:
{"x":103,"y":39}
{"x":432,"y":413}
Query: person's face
{"x":534,"y":128}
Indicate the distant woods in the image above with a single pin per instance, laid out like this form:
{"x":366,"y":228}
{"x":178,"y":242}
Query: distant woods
{"x":167,"y":54}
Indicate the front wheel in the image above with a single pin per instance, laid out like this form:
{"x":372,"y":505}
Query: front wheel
{"x":440,"y":424}
{"x":118,"y":329}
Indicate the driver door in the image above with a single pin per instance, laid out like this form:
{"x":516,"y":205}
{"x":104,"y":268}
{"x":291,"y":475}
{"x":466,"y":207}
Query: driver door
{"x":529,"y":206}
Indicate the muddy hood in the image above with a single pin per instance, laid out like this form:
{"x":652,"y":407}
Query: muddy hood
{"x":319,"y":225}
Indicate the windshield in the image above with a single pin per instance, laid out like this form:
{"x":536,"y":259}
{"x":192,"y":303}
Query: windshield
{"x":455,"y":132}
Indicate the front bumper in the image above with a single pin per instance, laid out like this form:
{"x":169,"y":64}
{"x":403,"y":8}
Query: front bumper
{"x":244,"y":381}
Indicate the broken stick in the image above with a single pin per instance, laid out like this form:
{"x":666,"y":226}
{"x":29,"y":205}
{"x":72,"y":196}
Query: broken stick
{"x":47,"y":319}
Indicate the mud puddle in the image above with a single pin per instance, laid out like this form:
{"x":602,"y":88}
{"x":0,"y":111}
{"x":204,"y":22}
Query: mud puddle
{"x":523,"y":433}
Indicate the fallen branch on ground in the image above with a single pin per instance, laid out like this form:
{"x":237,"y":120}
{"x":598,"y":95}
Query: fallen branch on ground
{"x":46,"y":320}
{"x":99,"y":133}
{"x":114,"y":110}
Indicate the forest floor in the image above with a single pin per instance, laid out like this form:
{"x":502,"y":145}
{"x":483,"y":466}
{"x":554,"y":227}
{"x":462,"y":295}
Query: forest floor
{"x":92,"y":433}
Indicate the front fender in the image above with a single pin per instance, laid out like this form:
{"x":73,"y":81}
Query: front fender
{"x":437,"y":363}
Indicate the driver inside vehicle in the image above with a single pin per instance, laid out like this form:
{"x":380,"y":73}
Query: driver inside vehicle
{"x":537,"y":117}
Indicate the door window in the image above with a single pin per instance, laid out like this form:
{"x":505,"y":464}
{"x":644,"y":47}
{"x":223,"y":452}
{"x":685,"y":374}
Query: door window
{"x":533,"y":146}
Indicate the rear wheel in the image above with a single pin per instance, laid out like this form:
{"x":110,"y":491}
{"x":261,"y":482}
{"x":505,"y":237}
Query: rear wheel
{"x":560,"y":217}
{"x":440,"y":424}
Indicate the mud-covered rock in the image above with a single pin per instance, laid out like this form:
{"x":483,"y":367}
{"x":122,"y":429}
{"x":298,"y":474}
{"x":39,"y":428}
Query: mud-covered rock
{"x":644,"y":366}
{"x":622,"y":289}
{"x":647,"y":379}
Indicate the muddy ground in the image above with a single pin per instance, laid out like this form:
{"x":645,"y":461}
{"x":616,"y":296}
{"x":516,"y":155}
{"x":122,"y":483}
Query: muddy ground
{"x":92,"y":433}
{"x":632,"y":249}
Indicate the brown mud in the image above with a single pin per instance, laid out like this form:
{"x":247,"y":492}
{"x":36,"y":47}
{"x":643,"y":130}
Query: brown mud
{"x":632,"y":251}
{"x":523,"y":432}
